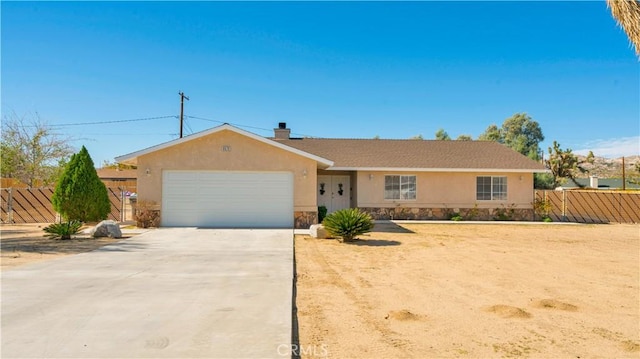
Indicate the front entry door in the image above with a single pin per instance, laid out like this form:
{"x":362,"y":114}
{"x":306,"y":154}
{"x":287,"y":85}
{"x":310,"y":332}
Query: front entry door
{"x":334,"y":192}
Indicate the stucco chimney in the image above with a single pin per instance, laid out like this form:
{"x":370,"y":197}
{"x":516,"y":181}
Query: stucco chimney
{"x":282,"y":132}
{"x":593,"y":181}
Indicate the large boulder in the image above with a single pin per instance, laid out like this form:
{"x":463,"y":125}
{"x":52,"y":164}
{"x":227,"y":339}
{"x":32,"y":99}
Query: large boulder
{"x":318,"y":231}
{"x":106,"y":228}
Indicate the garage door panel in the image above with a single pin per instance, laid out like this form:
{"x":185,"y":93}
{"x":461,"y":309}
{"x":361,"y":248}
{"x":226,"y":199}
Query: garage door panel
{"x":227,"y":199}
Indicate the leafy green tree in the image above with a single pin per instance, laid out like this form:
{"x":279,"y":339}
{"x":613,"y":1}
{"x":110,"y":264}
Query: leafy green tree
{"x":31,"y":151}
{"x":519,"y":132}
{"x":79,"y":193}
{"x":492,"y":133}
{"x":464,"y":138}
{"x":564,"y":165}
{"x":417,"y":137}
{"x":543,"y":181}
{"x":522,"y":134}
{"x":442,"y":135}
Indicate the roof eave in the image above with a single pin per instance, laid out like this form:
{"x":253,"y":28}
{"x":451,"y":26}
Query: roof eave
{"x":417,"y":169}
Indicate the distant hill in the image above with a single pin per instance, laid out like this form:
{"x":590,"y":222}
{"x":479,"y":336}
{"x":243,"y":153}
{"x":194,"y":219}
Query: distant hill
{"x":609,"y":167}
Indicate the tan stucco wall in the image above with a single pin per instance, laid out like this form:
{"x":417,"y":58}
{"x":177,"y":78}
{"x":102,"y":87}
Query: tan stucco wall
{"x":440,"y":189}
{"x":246,"y":154}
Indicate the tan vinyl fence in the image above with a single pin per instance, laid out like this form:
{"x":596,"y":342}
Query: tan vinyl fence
{"x":33,"y":205}
{"x":592,"y":206}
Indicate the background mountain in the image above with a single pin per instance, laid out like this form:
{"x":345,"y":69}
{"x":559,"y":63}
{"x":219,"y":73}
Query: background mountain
{"x":609,"y":167}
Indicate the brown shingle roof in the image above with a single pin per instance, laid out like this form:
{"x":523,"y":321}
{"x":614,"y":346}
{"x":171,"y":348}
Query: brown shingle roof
{"x":423,"y":154}
{"x":112,"y":173}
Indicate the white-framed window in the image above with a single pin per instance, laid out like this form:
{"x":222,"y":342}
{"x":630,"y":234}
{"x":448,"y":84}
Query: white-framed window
{"x":400,"y":187}
{"x":491,"y":188}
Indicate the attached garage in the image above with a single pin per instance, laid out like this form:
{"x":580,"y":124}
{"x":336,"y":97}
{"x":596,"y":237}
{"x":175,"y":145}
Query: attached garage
{"x":226,"y":177}
{"x":227,"y":199}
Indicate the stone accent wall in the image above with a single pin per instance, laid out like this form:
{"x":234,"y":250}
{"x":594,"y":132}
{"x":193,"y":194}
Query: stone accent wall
{"x":304,"y":220}
{"x":468,"y":214}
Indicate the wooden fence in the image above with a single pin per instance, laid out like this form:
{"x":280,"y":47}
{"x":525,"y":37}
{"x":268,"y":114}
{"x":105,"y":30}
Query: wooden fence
{"x":592,"y":206}
{"x":33,"y":205}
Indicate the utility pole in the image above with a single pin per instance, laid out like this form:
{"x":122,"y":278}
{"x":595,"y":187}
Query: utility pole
{"x":624,"y":180}
{"x":182,"y":97}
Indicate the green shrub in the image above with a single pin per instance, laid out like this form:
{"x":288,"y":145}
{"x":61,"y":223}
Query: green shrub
{"x":80,"y":194}
{"x":456,"y":218}
{"x":542,"y":207}
{"x":322,"y":213}
{"x":547,"y":219}
{"x":348,"y":223}
{"x":62,"y":230}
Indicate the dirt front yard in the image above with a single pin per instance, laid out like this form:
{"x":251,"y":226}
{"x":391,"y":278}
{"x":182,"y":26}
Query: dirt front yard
{"x":25,"y":243}
{"x":471,"y":290}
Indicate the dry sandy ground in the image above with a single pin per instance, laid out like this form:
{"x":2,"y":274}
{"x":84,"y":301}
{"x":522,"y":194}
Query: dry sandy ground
{"x":25,"y":243}
{"x":471,"y":291}
{"x":447,"y":290}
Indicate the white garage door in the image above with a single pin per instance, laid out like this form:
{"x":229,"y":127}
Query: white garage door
{"x":227,"y":199}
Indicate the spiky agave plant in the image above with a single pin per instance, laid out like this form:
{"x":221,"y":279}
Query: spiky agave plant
{"x":63,"y":230}
{"x":348,"y":223}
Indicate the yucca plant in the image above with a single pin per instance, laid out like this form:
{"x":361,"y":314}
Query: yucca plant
{"x":348,"y":223}
{"x":62,"y":230}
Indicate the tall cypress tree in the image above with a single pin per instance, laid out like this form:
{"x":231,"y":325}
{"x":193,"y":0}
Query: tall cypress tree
{"x":80,"y":194}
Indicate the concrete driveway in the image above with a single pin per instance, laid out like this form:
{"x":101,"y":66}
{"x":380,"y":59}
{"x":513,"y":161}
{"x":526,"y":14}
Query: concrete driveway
{"x":167,"y":293}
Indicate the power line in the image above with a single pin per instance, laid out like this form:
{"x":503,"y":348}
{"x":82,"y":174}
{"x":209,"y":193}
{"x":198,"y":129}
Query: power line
{"x":137,"y":134}
{"x":233,"y":124}
{"x":186,"y":124}
{"x":107,"y":122}
{"x":203,"y":119}
{"x":244,"y":126}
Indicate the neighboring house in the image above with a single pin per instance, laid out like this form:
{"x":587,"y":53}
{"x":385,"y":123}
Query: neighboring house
{"x":600,"y":183}
{"x":228,"y":177}
{"x":12,"y":183}
{"x":116,"y":178}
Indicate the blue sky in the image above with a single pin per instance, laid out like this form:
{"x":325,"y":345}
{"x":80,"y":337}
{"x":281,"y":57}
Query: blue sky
{"x":327,"y":69}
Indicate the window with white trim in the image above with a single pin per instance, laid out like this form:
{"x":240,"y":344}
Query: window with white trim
{"x":491,"y":188}
{"x":400,"y":187}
